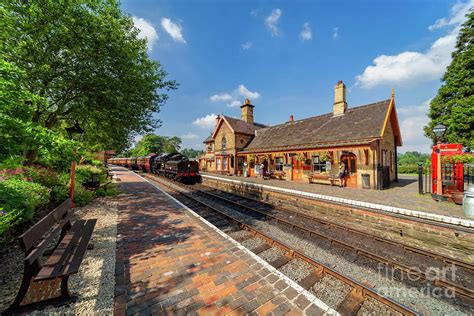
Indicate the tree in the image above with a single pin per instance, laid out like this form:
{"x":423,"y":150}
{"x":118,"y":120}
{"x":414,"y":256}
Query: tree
{"x":453,"y":106}
{"x":152,"y":143}
{"x":191,"y":153}
{"x":84,"y":57}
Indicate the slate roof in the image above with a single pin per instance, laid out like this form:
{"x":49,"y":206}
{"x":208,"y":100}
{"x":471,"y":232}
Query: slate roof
{"x":240,"y":126}
{"x":209,"y":139}
{"x":359,"y":125}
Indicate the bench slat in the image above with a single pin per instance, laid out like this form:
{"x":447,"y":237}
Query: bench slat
{"x":81,"y":248}
{"x":29,"y":238}
{"x":56,"y":262}
{"x":70,"y":258}
{"x":38,"y":250}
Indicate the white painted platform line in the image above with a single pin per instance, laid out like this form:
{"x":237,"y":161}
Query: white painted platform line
{"x":386,"y":208}
{"x":310,"y":297}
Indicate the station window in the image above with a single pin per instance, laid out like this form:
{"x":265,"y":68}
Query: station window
{"x":279,"y":163}
{"x":318,"y":165}
{"x":218,"y":164}
{"x":224,"y":143}
{"x":224,"y":163}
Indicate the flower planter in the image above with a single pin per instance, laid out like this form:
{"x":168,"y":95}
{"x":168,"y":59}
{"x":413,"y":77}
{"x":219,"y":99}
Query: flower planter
{"x":457,"y":197}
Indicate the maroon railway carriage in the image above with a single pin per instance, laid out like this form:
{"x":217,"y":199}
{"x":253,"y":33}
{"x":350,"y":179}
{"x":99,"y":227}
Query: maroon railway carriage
{"x":140,"y":165}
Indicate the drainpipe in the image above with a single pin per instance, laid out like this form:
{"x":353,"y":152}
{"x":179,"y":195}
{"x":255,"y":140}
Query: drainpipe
{"x":396,"y":164}
{"x":379,"y":167}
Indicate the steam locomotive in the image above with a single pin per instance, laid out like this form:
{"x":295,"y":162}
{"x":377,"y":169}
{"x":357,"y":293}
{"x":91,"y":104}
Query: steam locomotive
{"x":174,"y":166}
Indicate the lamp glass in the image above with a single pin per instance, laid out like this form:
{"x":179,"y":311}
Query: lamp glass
{"x":439,"y":130}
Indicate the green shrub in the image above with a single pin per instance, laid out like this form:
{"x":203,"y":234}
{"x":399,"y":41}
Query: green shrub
{"x":59,"y":193}
{"x":8,"y":221}
{"x":84,"y":172}
{"x":97,"y":163}
{"x":12,"y":162}
{"x":23,"y":195}
{"x":82,"y":197}
{"x":413,"y":169}
{"x":111,"y":190}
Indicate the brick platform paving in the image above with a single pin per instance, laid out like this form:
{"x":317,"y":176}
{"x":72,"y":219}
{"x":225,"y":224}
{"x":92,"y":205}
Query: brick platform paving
{"x":403,"y":193}
{"x":169,"y":261}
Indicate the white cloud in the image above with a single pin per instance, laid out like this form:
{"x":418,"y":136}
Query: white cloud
{"x":221,"y":97}
{"x":411,"y":67}
{"x":173,"y":29}
{"x":206,"y":122}
{"x":306,"y":33}
{"x":247,"y":45}
{"x":457,"y":16}
{"x":232,"y":99}
{"x":272,"y":20}
{"x":243,"y":91}
{"x":189,"y":136}
{"x":412,"y":119}
{"x":146,"y":30}
{"x":235,"y":103}
{"x":335,"y":32}
{"x":254,"y":12}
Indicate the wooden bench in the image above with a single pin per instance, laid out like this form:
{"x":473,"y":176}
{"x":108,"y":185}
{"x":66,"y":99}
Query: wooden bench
{"x":278,"y":175}
{"x":43,"y":282}
{"x":109,"y":174}
{"x":322,"y":178}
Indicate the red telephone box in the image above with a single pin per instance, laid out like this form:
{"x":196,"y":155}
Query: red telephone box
{"x":452,"y":174}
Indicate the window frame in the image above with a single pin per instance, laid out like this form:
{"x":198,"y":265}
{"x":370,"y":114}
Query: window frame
{"x":319,"y":166}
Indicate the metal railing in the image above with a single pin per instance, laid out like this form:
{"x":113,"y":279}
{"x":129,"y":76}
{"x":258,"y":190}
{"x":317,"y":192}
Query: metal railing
{"x":451,"y":179}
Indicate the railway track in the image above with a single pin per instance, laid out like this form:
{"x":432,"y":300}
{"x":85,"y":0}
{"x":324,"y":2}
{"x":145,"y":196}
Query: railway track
{"x":349,"y":296}
{"x":410,"y":260}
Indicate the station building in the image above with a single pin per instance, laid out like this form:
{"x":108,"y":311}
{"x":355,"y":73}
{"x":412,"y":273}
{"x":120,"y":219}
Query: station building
{"x":365,"y":138}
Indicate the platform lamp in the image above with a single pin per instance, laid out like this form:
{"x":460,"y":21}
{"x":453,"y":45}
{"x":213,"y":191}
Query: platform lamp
{"x":439,"y":131}
{"x":75,"y":133}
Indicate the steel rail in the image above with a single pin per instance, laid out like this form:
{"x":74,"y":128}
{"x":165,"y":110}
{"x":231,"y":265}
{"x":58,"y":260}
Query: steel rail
{"x":359,"y":289}
{"x":428,"y":253}
{"x":461,"y":290}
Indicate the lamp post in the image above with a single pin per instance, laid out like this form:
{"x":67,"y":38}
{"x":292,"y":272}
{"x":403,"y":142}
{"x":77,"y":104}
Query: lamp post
{"x":75,"y":133}
{"x":439,"y":131}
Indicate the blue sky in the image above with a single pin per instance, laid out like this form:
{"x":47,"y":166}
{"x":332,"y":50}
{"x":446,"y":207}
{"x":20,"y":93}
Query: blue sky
{"x":286,"y":56}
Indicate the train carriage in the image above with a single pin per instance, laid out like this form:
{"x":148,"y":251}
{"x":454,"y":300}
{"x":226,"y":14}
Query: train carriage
{"x":140,"y":163}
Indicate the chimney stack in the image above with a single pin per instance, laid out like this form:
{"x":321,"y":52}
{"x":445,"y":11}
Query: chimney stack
{"x":291,"y":118}
{"x":340,"y":104}
{"x":247,"y":111}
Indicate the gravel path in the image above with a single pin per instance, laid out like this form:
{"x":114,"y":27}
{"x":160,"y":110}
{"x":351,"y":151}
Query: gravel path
{"x":95,"y":282}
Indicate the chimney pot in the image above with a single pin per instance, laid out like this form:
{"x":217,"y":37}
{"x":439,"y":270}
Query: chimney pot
{"x":291,"y":118}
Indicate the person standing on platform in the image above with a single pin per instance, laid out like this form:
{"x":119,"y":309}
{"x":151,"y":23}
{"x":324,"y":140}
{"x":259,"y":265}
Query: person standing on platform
{"x":342,"y":173}
{"x":261,"y":170}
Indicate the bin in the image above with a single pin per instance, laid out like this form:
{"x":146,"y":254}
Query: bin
{"x":366,"y":181}
{"x":468,"y":202}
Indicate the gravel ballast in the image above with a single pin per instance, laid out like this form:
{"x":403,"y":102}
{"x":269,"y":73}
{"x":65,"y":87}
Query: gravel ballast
{"x":95,"y":282}
{"x":297,"y":269}
{"x":349,"y":264}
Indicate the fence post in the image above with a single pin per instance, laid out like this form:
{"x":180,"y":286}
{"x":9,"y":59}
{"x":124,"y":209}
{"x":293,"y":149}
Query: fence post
{"x":420,"y":178}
